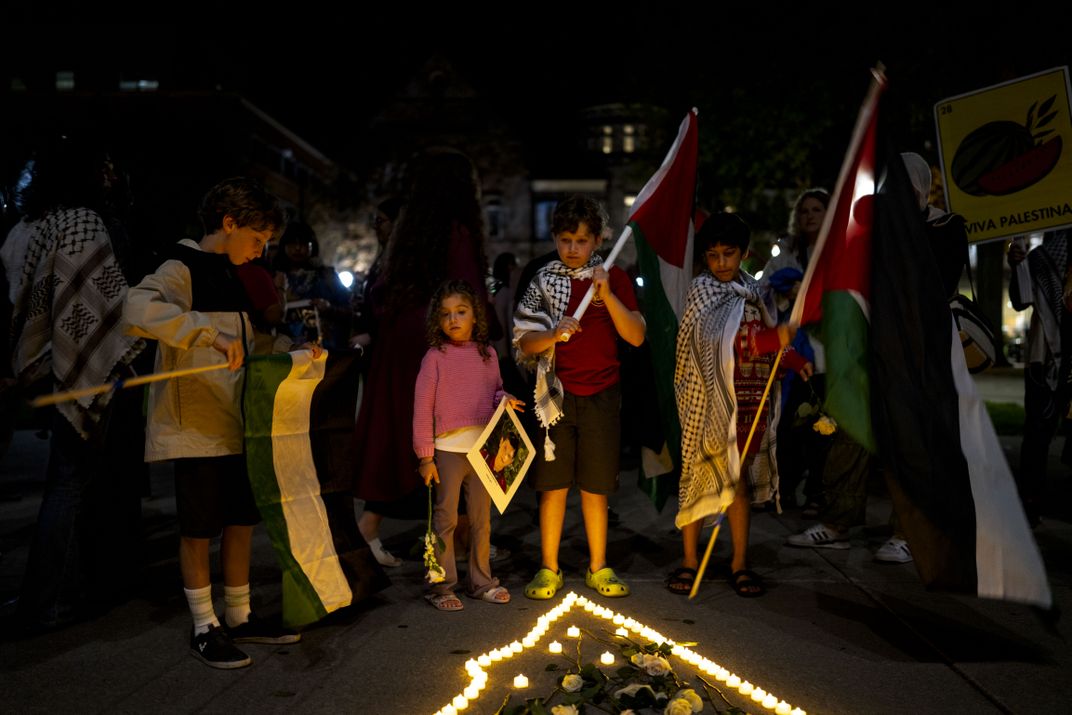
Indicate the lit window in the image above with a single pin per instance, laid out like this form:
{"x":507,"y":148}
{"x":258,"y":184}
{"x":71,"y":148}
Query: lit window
{"x":608,"y":130}
{"x":628,"y":129}
{"x":629,"y":144}
{"x":64,"y":81}
{"x":608,"y":145}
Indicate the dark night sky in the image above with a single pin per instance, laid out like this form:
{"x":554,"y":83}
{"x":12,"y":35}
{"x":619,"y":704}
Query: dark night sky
{"x":538,"y":64}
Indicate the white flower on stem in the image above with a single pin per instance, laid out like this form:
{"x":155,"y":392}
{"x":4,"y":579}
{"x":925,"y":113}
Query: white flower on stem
{"x":825,"y":425}
{"x":693,"y":699}
{"x":678,"y":706}
{"x":572,"y":682}
{"x":651,"y":664}
{"x":565,"y":710}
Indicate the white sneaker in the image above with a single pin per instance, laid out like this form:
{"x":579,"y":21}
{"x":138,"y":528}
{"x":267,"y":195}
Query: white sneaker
{"x":819,"y":537}
{"x":894,"y":551}
{"x":384,"y":557}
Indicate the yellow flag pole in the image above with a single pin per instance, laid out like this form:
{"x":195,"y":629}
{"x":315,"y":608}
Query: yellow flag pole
{"x":58,"y":397}
{"x":747,"y":444}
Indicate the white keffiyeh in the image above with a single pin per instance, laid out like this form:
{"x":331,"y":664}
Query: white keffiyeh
{"x":706,"y":400}
{"x":543,"y":305}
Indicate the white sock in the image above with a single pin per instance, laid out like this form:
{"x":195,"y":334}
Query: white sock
{"x":200,"y":601}
{"x":236,"y":598}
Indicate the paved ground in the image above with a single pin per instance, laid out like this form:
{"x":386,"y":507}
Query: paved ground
{"x":836,"y":633}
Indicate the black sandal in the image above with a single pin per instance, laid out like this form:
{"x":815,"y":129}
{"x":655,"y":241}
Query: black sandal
{"x":681,"y":581}
{"x":747,"y":579}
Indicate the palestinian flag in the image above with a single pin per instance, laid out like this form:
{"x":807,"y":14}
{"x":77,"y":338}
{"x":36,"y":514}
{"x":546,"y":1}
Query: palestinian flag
{"x":898,"y":384}
{"x":661,"y":220}
{"x":836,"y":289}
{"x":299,"y":415}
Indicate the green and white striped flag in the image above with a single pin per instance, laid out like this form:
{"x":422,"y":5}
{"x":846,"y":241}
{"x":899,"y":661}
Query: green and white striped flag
{"x":299,"y":416}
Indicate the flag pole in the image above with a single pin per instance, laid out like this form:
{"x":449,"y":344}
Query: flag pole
{"x":747,"y":444}
{"x":58,"y":397}
{"x":878,"y":83}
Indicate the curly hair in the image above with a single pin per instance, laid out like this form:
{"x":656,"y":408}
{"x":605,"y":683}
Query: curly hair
{"x":436,"y":337}
{"x":578,"y":209}
{"x":444,"y":197}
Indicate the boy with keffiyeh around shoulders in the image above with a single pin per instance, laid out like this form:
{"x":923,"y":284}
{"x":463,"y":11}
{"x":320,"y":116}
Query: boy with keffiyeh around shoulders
{"x":577,"y":392}
{"x":726,"y":345}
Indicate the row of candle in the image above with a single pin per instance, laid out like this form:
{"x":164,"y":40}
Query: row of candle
{"x":478,"y":677}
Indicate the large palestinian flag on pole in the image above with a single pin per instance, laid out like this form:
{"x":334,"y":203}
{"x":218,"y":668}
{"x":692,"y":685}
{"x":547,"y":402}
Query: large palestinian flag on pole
{"x":299,"y":416}
{"x":661,"y":220}
{"x":898,"y":384}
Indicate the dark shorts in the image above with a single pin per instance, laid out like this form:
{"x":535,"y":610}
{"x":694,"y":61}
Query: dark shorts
{"x":211,"y":493}
{"x":587,"y":445}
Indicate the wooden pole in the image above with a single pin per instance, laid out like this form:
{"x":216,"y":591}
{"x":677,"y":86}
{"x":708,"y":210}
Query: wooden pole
{"x":58,"y":397}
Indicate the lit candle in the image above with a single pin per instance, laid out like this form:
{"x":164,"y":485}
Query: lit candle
{"x":758,"y":694}
{"x":520,"y":681}
{"x":471,"y":692}
{"x":745,"y":688}
{"x":590,"y":607}
{"x":470,"y":664}
{"x":555,"y":647}
{"x":495,"y":656}
{"x":621,"y":632}
{"x":770,"y":702}
{"x":460,"y":702}
{"x":449,"y":710}
{"x":797,"y":711}
{"x":484,"y":660}
{"x":677,"y":650}
{"x":733,"y":681}
{"x":629,"y":623}
{"x":782,"y":709}
{"x":573,"y":632}
{"x":528,"y":641}
{"x":722,"y":674}
{"x":581,"y":601}
{"x":607,"y":658}
{"x":619,"y":619}
{"x":516,"y":647}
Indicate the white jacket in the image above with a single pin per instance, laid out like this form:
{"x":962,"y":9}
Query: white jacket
{"x":199,"y":415}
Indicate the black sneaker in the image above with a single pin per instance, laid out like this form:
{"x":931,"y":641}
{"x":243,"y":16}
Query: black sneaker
{"x":260,"y":631}
{"x":215,"y":648}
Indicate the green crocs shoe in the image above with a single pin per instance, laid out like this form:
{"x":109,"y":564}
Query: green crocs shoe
{"x":544,"y":585}
{"x":606,"y":582}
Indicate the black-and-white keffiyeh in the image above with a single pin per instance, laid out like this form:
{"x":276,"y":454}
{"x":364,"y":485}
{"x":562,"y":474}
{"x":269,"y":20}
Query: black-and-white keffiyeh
{"x":67,"y":292}
{"x":706,"y":401}
{"x":543,"y":305}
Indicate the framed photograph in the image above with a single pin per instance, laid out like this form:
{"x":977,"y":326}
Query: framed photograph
{"x":502,"y":456}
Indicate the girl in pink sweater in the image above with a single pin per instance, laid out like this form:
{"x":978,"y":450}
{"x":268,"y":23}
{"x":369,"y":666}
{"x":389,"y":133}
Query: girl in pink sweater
{"x":457,"y":391}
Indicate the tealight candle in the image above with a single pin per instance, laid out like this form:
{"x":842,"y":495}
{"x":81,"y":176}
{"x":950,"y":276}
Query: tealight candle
{"x":745,"y":688}
{"x":471,"y":692}
{"x":629,"y":623}
{"x":590,"y":607}
{"x":470,"y":664}
{"x":460,"y":702}
{"x":621,"y":632}
{"x":528,"y":641}
{"x":449,"y":710}
{"x":555,"y":647}
{"x":798,"y":711}
{"x":758,"y":694}
{"x":607,"y":658}
{"x":495,"y":656}
{"x":677,"y":650}
{"x":722,"y":674}
{"x":520,"y":681}
{"x":782,"y":709}
{"x":619,"y":619}
{"x":770,"y":702}
{"x":516,"y":647}
{"x":733,"y":681}
{"x":573,"y":632}
{"x":484,"y":660}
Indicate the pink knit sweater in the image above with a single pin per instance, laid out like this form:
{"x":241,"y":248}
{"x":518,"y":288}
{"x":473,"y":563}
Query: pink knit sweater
{"x":455,"y":388}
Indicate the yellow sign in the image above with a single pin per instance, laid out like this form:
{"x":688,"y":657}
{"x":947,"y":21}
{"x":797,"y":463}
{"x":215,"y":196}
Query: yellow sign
{"x":1006,"y":154}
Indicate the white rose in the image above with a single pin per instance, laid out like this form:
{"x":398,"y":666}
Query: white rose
{"x":572,"y":683}
{"x":632,"y":689}
{"x":565,"y":710}
{"x":678,"y":706}
{"x":693,"y":699}
{"x":656,"y":666}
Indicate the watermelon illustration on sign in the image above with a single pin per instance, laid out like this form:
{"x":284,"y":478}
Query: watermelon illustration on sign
{"x":1004,"y":157}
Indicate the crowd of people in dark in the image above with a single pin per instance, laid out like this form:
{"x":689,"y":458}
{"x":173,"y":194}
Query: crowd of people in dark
{"x":445,"y":335}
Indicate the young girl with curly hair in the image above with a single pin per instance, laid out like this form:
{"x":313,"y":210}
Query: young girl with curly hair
{"x":457,"y":391}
